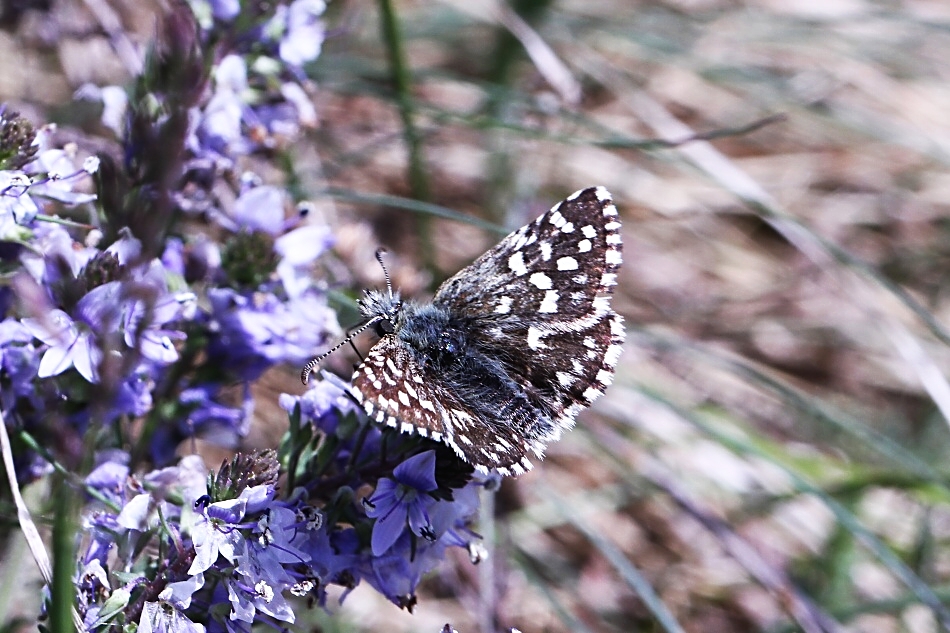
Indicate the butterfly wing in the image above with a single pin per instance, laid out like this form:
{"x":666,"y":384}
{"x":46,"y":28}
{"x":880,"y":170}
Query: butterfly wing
{"x":539,"y":302}
{"x":397,"y":390}
{"x":512,"y":347}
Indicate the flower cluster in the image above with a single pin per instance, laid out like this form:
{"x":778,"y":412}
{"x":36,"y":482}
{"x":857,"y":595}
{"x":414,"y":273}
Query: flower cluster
{"x":151,"y":287}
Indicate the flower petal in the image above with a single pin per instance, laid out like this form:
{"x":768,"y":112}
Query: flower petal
{"x":86,"y":357}
{"x":387,"y":530}
{"x":55,"y":361}
{"x":418,"y":472}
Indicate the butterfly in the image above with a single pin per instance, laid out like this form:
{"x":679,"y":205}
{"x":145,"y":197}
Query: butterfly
{"x":510,"y":349}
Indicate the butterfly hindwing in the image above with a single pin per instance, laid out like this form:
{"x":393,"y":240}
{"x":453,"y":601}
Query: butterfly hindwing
{"x":407,"y":395}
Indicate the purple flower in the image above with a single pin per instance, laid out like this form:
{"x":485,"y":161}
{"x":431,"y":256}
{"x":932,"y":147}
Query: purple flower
{"x":261,"y":584}
{"x":54,"y":255}
{"x":217,"y":532}
{"x":51,"y":175}
{"x":173,"y":257}
{"x":62,"y":176}
{"x":401,"y":500}
{"x":298,"y":249}
{"x":304,"y":31}
{"x":72,"y":343}
{"x":397,"y":572}
{"x":154,"y":342}
{"x":110,"y":476}
{"x":322,"y":404}
{"x":16,"y":205}
{"x":187,"y":480}
{"x":134,"y":395}
{"x":103,"y":532}
{"x":219,"y":129}
{"x":257,"y":331}
{"x":18,"y":360}
{"x":261,"y":208}
{"x":167,"y":615}
{"x":225,"y":10}
{"x":392,"y":575}
{"x":334,"y":556}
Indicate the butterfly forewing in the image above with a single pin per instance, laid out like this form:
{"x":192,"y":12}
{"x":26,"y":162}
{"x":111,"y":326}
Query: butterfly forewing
{"x":548,"y":271}
{"x":541,"y":300}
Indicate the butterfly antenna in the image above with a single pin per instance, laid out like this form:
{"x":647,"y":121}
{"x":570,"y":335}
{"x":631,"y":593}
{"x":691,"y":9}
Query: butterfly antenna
{"x":379,"y":257}
{"x":310,"y":366}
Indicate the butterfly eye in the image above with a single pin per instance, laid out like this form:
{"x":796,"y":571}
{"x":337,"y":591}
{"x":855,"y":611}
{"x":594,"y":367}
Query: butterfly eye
{"x":450,"y":346}
{"x":384,"y":327}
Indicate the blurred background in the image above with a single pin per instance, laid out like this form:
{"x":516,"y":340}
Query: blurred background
{"x":773,"y":453}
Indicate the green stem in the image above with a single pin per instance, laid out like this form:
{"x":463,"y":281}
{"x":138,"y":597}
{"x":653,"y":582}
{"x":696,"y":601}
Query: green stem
{"x":508,"y":52}
{"x":62,"y":592}
{"x":402,"y":83}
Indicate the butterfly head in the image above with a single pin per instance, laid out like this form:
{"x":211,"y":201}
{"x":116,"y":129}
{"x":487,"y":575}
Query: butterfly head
{"x":382,"y":309}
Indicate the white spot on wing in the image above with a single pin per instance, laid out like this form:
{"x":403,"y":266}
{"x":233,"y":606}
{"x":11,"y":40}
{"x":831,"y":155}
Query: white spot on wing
{"x":534,"y":338}
{"x":545,"y":250}
{"x":567,"y":263}
{"x":612,"y":355}
{"x":584,"y":246}
{"x":504,"y":305}
{"x":516,"y":264}
{"x":616,"y":327}
{"x":589,"y":232}
{"x":549,"y":303}
{"x":568,"y":228}
{"x":541,"y":281}
{"x":613,"y":257}
{"x":403,"y":398}
{"x":591,"y":394}
{"x":602,"y":194}
{"x":391,"y":366}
